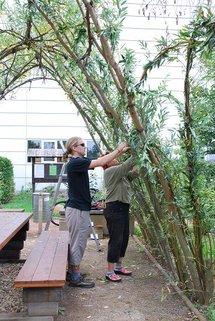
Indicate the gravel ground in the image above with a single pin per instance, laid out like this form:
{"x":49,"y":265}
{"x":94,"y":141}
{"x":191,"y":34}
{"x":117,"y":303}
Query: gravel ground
{"x":10,"y":298}
{"x":144,"y":296}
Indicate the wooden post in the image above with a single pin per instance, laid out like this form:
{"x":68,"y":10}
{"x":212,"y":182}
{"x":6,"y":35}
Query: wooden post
{"x":40,"y":213}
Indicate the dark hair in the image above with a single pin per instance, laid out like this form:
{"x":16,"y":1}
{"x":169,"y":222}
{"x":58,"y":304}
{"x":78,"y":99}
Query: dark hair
{"x":106,"y":165}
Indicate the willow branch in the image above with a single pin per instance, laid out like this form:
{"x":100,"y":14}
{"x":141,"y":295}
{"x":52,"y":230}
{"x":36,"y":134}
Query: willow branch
{"x":107,"y":53}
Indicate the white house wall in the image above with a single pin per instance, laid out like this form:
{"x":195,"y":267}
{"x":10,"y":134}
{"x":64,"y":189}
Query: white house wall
{"x":41,"y":113}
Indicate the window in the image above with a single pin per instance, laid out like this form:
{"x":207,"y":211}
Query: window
{"x":92,"y":150}
{"x":39,"y":144}
{"x":49,"y":145}
{"x":34,"y":144}
{"x":59,"y":144}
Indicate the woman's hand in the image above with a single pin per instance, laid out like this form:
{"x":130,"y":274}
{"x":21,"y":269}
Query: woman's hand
{"x":123,"y":148}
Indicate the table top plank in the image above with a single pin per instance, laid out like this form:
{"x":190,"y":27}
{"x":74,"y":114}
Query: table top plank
{"x":10,"y":224}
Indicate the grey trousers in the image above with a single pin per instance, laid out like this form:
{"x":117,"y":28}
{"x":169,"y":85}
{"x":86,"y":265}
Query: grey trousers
{"x":78,"y":223}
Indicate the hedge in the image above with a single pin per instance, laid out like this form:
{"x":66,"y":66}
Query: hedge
{"x":7,"y":187}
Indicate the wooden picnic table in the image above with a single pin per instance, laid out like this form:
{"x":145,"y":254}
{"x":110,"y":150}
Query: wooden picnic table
{"x":13,"y":230}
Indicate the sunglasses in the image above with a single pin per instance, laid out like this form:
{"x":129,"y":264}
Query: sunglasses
{"x":82,"y":144}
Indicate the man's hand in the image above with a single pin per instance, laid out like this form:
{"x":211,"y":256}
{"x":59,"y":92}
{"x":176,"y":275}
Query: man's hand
{"x":135,"y":170}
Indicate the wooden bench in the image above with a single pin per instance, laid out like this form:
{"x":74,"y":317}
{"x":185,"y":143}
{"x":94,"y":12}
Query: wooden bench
{"x":13,"y":231}
{"x":44,"y":273}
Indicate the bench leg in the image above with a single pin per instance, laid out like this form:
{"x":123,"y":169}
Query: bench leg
{"x":42,"y":301}
{"x":11,"y":251}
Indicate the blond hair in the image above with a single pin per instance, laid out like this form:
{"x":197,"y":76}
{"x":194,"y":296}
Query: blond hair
{"x":69,"y":144}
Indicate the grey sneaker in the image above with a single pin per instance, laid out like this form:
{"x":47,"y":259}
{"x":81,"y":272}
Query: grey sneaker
{"x":81,"y":283}
{"x":68,"y":275}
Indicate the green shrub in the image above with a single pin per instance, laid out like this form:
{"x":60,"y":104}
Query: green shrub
{"x":137,"y":231}
{"x":6,"y":180}
{"x":21,"y":199}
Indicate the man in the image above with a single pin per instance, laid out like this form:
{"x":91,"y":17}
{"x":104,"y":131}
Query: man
{"x":117,"y":178}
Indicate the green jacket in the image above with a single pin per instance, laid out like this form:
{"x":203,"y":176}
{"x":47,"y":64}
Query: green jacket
{"x":117,"y":181}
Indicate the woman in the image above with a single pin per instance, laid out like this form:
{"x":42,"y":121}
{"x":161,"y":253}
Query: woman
{"x":78,"y":205}
{"x":117,"y":178}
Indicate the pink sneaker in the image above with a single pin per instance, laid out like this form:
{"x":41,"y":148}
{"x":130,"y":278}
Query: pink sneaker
{"x":123,"y":271}
{"x":113,"y":277}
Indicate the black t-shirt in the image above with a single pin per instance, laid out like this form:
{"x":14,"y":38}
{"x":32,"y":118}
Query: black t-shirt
{"x":78,"y":181}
